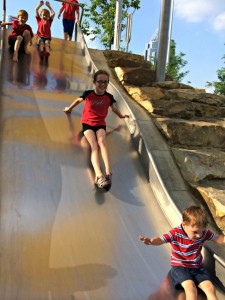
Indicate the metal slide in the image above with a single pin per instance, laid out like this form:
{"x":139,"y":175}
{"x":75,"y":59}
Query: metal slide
{"x":60,"y":238}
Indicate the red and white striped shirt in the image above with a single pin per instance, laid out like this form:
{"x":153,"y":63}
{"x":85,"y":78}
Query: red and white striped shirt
{"x":186,"y":252}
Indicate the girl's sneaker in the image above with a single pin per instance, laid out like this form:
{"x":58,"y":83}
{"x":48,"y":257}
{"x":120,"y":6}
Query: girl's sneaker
{"x":108,"y":178}
{"x":101,"y":181}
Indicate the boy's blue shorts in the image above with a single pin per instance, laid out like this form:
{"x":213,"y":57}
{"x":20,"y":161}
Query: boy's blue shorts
{"x":180,"y":274}
{"x":68,"y":26}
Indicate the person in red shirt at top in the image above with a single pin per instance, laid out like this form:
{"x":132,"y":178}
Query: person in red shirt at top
{"x":70,"y":16}
{"x":44,"y":21}
{"x":97,"y":103}
{"x":186,"y":240}
{"x":21,"y":35}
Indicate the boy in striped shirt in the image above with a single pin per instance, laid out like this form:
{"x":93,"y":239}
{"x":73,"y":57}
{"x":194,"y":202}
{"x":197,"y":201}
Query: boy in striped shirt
{"x":186,"y":241}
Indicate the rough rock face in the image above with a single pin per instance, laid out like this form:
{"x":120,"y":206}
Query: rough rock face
{"x":200,"y":164}
{"x":125,"y":60}
{"x":190,"y":119}
{"x":192,"y":133}
{"x":214,"y":197}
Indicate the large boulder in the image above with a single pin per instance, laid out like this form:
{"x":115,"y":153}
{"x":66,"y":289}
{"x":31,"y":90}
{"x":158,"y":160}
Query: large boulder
{"x":126,"y":60}
{"x":200,"y":164}
{"x":213,"y":192}
{"x":135,"y":76}
{"x":191,"y":134}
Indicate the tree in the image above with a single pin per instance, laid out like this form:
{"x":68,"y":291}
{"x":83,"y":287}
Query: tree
{"x":101,"y":13}
{"x":176,"y":63}
{"x":219,"y":86}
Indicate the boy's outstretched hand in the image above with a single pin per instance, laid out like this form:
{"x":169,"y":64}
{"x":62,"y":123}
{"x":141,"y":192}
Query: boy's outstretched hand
{"x":145,"y":240}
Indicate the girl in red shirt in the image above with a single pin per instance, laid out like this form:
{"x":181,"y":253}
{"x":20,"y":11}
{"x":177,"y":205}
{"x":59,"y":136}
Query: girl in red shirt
{"x":97,"y":103}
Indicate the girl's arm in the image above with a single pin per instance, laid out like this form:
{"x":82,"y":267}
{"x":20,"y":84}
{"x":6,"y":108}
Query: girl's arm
{"x":68,"y":109}
{"x":117,"y":112}
{"x":219,"y":239}
{"x":155,"y":241}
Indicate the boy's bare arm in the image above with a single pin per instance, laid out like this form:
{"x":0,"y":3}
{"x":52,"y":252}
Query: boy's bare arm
{"x":219,"y":239}
{"x":37,"y":8}
{"x":155,"y":241}
{"x":5,"y":24}
{"x":51,"y":9}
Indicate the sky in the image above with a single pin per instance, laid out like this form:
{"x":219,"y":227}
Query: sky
{"x":198,"y":29}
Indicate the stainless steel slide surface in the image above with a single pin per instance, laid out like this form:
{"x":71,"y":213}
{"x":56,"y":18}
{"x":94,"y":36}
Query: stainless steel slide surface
{"x":60,"y":237}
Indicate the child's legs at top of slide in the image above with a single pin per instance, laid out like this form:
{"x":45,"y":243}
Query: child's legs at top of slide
{"x":43,"y":44}
{"x":16,"y":44}
{"x":27,"y":39}
{"x":47,"y":46}
{"x":68,"y":27}
{"x":40,"y":44}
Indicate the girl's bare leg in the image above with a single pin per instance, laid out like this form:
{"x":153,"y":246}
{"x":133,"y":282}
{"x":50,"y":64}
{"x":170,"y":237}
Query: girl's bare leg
{"x":92,"y":140}
{"x":101,"y":134}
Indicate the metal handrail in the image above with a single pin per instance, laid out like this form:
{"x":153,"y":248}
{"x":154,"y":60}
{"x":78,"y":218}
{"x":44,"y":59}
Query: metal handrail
{"x":81,"y":15}
{"x":4,"y":11}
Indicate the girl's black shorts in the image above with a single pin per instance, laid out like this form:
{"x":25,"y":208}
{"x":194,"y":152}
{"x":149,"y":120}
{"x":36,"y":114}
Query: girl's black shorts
{"x":94,"y":128}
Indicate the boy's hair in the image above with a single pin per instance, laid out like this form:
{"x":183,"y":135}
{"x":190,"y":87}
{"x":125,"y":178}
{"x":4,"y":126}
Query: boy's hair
{"x":100,"y":72}
{"x":195,"y":215}
{"x":45,"y":10}
{"x":22,"y":12}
